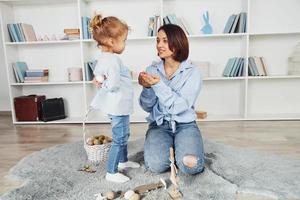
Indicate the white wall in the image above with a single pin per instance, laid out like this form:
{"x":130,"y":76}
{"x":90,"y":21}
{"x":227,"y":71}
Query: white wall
{"x":4,"y":95}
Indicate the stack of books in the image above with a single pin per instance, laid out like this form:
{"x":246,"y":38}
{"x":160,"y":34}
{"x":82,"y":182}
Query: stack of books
{"x":153,"y":25}
{"x":234,"y":67}
{"x":257,"y":66}
{"x":36,"y":75}
{"x":25,"y":75}
{"x":21,"y":32}
{"x":172,"y":19}
{"x":85,"y":24}
{"x":72,"y":33}
{"x":236,"y":23}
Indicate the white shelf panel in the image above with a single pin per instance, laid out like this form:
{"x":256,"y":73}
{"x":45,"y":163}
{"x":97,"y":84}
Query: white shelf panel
{"x":47,"y":83}
{"x":218,"y":35}
{"x":44,"y":42}
{"x":223,"y":78}
{"x":35,"y":2}
{"x":274,"y":33}
{"x":237,"y":35}
{"x":273,"y":77}
{"x":91,"y":82}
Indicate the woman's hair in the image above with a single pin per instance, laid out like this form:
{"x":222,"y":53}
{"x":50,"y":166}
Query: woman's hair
{"x":177,"y":41}
{"x":108,"y":27}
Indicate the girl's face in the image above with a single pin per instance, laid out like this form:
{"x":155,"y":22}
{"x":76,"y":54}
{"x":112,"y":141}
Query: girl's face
{"x":162,"y":45}
{"x":119,"y":43}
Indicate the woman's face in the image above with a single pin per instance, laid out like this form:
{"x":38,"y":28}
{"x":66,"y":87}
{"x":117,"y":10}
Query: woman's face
{"x":162,"y":45}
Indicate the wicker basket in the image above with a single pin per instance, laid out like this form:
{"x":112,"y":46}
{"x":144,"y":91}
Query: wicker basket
{"x":95,"y":153}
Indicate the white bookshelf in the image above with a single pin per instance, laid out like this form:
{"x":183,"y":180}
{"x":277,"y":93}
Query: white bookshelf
{"x":271,"y":34}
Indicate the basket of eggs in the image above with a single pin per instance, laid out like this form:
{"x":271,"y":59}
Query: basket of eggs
{"x":97,"y":146}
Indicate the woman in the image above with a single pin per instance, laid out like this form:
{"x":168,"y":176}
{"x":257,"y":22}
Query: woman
{"x":170,"y":89}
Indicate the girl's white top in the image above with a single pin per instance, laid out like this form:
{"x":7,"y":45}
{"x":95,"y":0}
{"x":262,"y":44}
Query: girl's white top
{"x":115,"y":96}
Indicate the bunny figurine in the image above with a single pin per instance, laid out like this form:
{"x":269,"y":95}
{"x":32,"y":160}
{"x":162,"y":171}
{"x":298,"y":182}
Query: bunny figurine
{"x":207,"y":28}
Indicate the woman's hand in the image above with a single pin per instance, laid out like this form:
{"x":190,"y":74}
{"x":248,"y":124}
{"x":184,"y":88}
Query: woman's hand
{"x":148,"y":80}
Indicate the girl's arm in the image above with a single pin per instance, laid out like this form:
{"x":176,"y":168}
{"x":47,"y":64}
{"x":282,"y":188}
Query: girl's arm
{"x":111,"y":74}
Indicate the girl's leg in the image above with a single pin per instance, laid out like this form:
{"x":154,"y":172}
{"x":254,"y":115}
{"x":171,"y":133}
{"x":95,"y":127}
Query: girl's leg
{"x":188,"y":147}
{"x":156,"y":150}
{"x":120,"y":134}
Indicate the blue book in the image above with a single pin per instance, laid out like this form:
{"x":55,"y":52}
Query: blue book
{"x":21,"y":68}
{"x":89,"y":69}
{"x":84,"y":22}
{"x":17,"y":32}
{"x":240,"y":72}
{"x":15,"y":36}
{"x":235,"y":67}
{"x":11,"y":35}
{"x":245,"y":23}
{"x":253,"y":65}
{"x":21,"y":32}
{"x":229,"y":24}
{"x":234,"y":25}
{"x":229,"y":65}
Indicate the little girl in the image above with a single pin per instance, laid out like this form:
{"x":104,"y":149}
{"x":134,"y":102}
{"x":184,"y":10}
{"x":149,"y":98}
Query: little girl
{"x":115,"y":94}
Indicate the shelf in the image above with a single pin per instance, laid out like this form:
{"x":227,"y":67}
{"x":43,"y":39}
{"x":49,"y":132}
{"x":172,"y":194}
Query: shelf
{"x":189,"y":36}
{"x":44,"y":42}
{"x":223,"y":78}
{"x":91,"y":82}
{"x":222,"y":35}
{"x":274,"y":33}
{"x":34,"y":2}
{"x":273,"y":77}
{"x":48,"y":83}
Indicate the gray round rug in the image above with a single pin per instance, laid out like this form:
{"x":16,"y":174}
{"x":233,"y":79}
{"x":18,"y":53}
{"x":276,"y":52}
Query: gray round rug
{"x":53,"y":174}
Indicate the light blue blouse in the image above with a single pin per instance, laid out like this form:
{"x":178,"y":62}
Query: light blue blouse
{"x":172,"y":100}
{"x":115,"y":97}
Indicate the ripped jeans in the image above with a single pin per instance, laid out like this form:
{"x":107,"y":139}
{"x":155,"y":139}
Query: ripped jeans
{"x":186,"y":140}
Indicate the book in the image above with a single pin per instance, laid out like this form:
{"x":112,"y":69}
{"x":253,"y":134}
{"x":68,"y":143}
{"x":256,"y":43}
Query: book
{"x":16,"y":73}
{"x":263,"y":62}
{"x":234,"y":25}
{"x":241,"y":69}
{"x":21,"y":68}
{"x":28,"y":32}
{"x":37,"y":72}
{"x":253,"y":67}
{"x":229,"y":23}
{"x":259,"y":66}
{"x":89,"y":68}
{"x":229,"y":65}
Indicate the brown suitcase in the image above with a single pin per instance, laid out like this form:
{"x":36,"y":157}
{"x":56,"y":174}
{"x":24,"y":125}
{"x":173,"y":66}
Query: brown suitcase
{"x":28,"y":108}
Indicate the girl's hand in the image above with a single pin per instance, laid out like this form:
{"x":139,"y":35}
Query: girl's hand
{"x":97,"y":83}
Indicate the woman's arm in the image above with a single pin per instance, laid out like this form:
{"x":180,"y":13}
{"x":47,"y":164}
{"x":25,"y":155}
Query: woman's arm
{"x":177,"y":102}
{"x":147,"y":97}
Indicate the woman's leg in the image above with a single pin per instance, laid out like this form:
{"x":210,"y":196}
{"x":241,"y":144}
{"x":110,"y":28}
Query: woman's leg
{"x":189,"y":148}
{"x":156,"y":149}
{"x":120,"y":134}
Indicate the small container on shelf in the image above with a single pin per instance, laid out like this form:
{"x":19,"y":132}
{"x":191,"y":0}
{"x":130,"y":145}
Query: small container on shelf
{"x":75,"y":74}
